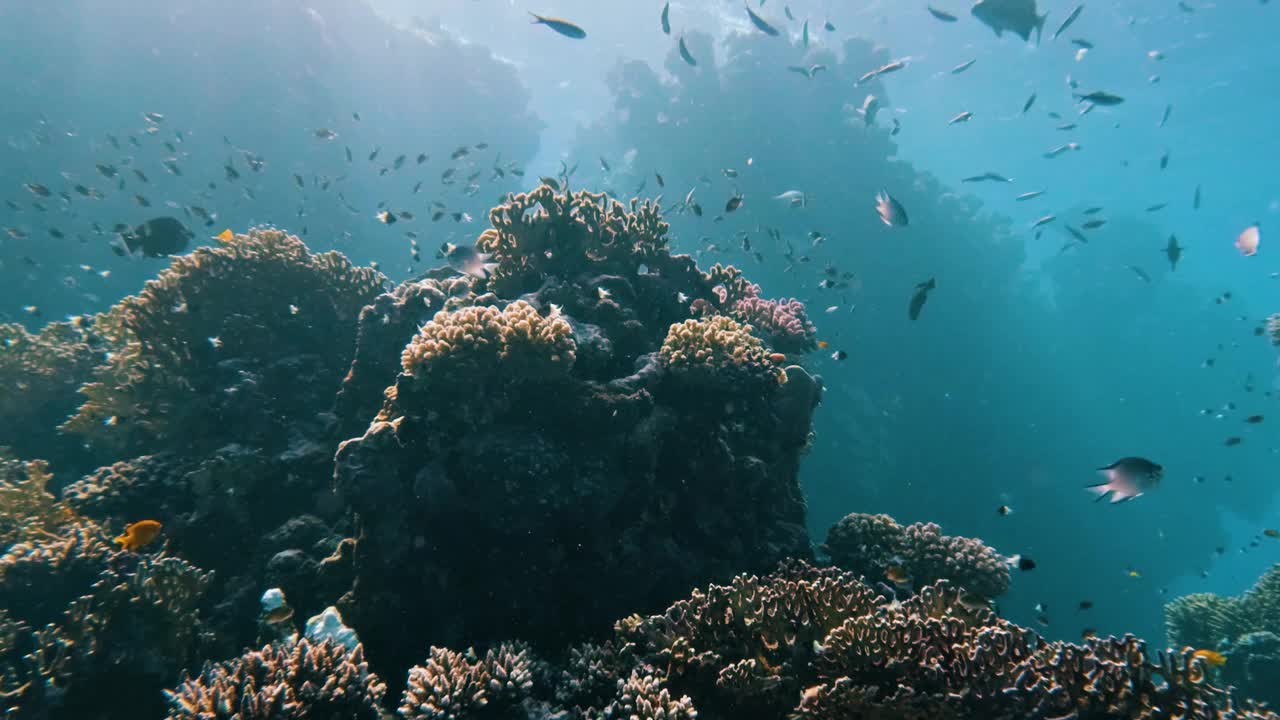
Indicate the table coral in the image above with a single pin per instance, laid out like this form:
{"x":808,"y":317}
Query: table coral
{"x":257,"y":328}
{"x":871,"y":544}
{"x":294,"y":681}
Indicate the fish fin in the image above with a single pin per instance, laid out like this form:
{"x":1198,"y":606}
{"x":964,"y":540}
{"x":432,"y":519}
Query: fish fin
{"x":1040,"y":27}
{"x":1101,"y":491}
{"x":1120,"y":497}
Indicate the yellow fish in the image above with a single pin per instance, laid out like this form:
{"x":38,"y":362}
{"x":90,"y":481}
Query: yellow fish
{"x":1135,"y":574}
{"x":1212,"y":657}
{"x":1271,"y":533}
{"x":225,"y":235}
{"x":139,"y":534}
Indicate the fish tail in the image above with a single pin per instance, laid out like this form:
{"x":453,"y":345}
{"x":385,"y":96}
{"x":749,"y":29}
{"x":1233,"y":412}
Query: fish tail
{"x":537,"y":19}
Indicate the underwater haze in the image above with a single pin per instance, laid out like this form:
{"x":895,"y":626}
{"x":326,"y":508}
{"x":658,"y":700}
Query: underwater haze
{"x":484,"y":358}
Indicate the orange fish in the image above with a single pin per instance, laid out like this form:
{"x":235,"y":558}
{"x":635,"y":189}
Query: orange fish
{"x":822,"y":344}
{"x":777,"y":357}
{"x":139,"y":534}
{"x":225,"y":235}
{"x":1212,"y":657}
{"x":897,"y":575}
{"x":1248,"y":241}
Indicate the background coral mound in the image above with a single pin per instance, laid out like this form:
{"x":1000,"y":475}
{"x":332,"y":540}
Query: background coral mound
{"x":257,"y":330}
{"x":299,"y":680}
{"x":41,"y":373}
{"x":543,"y":232}
{"x":1246,"y":629}
{"x":543,"y":464}
{"x":871,"y":544}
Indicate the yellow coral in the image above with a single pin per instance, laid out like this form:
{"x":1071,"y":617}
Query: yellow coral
{"x":517,"y":339}
{"x":714,"y":345}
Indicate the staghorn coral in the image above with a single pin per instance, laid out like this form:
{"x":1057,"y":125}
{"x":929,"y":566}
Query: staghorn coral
{"x":514,"y":342}
{"x":315,"y":681}
{"x":935,"y":655}
{"x":543,"y":233}
{"x":870,"y":544}
{"x":41,"y":373}
{"x":454,"y":686}
{"x":258,"y":329}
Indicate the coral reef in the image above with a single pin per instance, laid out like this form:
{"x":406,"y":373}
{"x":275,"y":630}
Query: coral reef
{"x":83,"y":620}
{"x":546,"y":457}
{"x":1244,"y":628}
{"x":1203,"y":620}
{"x":872,"y":544}
{"x":42,"y":373}
{"x":257,"y":329}
{"x":383,"y":328}
{"x":748,"y":649}
{"x":315,"y":681}
{"x":1273,"y":328}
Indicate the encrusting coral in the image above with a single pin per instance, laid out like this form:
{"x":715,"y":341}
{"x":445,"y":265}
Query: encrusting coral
{"x":256,"y":329}
{"x":290,"y":681}
{"x":872,"y":544}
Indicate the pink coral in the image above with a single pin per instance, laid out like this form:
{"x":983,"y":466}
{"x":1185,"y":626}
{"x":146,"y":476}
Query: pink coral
{"x":781,"y":323}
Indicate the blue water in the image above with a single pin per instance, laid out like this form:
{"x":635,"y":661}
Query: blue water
{"x":1028,"y":368}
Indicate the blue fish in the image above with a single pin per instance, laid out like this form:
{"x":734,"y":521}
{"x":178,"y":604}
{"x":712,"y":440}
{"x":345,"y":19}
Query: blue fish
{"x":761,"y":23}
{"x":684,"y":53}
{"x":564,"y":27}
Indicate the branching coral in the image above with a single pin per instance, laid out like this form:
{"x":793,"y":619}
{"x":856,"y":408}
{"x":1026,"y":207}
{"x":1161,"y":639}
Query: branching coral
{"x":301,"y":680}
{"x":229,"y":331}
{"x":26,"y":505}
{"x":545,"y":232}
{"x":717,"y":348}
{"x":516,"y":341}
{"x":871,"y":544}
{"x":935,"y":655}
{"x":783,"y":324}
{"x":452,"y":685}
